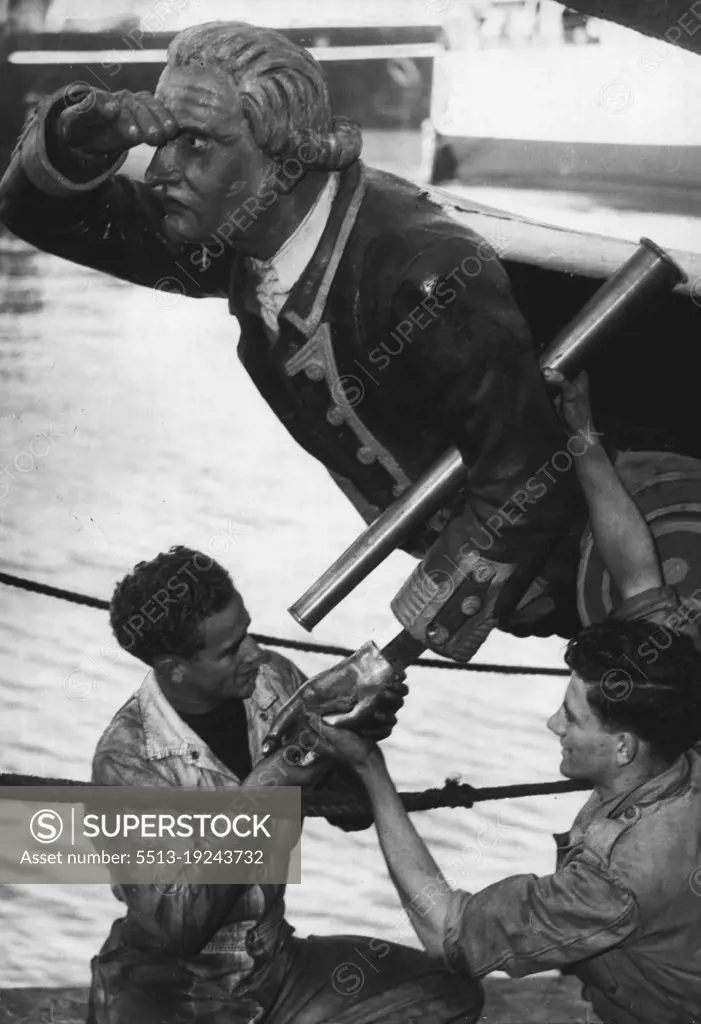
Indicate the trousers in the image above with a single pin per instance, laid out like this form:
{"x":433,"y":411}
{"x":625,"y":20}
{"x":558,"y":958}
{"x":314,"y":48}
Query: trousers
{"x":347,"y":979}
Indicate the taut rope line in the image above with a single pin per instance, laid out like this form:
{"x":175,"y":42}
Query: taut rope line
{"x":340,"y":805}
{"x":274,"y":641}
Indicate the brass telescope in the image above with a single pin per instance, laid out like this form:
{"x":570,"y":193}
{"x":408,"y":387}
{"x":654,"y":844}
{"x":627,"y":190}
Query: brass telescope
{"x":649,"y":273}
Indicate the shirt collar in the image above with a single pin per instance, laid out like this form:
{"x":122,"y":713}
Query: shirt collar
{"x":292,"y":258}
{"x":165,"y":731}
{"x":660,"y":787}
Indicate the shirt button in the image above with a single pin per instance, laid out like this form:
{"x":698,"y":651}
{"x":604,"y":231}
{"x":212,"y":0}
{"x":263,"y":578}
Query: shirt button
{"x":366,"y":456}
{"x":335,"y":416}
{"x":314,"y":372}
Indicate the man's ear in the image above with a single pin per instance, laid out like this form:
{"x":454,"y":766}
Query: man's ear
{"x":627,"y":749}
{"x":171,"y":668}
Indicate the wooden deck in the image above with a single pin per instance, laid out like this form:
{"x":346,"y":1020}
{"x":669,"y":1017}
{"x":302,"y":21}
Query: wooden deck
{"x":530,"y":1001}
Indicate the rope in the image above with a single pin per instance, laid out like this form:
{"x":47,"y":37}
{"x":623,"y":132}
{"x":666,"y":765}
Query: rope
{"x":274,"y":641}
{"x":344,"y":805}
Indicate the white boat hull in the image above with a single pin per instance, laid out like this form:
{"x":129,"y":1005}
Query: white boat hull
{"x":538,"y":112}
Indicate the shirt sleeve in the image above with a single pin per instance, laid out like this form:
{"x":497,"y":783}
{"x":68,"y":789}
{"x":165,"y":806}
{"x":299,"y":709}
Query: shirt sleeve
{"x":525,"y":924}
{"x":338,"y":779}
{"x":654,"y":605}
{"x":180,"y":916}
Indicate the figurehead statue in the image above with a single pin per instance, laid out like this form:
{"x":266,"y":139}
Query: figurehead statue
{"x":283,"y":92}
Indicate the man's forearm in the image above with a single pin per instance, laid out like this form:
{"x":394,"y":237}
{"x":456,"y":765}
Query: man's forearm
{"x":420,"y":884}
{"x":620,"y":531}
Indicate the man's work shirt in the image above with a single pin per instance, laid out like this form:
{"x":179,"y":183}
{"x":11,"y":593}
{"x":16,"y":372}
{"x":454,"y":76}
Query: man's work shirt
{"x":622,"y":910}
{"x":225,"y":732}
{"x":166,"y":935}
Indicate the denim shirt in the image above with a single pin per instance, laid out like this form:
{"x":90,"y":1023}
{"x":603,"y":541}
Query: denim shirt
{"x":166,"y":928}
{"x":622,"y":911}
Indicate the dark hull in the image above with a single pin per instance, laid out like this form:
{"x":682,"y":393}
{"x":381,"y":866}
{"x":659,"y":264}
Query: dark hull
{"x":645,"y":383}
{"x":671,"y":174}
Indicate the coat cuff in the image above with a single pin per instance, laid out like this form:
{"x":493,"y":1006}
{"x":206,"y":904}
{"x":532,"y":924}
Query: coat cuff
{"x":35,"y":160}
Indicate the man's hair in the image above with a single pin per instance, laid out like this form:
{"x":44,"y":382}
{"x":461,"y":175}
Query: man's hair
{"x":282,"y":88}
{"x":157,"y":608}
{"x":659,"y":700}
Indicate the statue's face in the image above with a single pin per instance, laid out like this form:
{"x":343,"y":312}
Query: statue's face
{"x":210,"y":176}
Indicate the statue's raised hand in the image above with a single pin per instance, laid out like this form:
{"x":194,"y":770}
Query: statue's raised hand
{"x":104,"y":123}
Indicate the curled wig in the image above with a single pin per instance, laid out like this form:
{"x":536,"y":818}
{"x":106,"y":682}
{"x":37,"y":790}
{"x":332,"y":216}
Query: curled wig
{"x":282,"y":88}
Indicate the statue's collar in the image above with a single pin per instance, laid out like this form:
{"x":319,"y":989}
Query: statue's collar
{"x":305,"y":304}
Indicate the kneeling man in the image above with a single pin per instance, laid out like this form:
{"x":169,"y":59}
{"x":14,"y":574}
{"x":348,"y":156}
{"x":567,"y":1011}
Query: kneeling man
{"x":224,"y":954}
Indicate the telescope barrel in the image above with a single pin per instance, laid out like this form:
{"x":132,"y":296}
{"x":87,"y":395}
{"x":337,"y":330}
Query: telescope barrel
{"x":379,"y":540}
{"x":648,"y":273}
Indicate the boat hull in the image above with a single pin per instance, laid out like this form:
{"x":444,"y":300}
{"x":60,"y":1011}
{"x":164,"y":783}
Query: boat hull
{"x":602,"y":168}
{"x":616,"y":109}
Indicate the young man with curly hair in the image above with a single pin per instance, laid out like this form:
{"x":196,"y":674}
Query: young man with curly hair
{"x":224,"y":954}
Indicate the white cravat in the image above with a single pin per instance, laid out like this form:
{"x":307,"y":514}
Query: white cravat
{"x":278,"y":275}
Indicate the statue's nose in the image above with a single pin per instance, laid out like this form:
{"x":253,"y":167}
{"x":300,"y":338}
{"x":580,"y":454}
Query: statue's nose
{"x":163,"y":169}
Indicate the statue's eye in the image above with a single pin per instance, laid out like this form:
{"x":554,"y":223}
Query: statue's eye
{"x":195,"y":142}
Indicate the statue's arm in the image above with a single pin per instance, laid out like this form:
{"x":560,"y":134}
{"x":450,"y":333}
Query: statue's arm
{"x":79,"y":208}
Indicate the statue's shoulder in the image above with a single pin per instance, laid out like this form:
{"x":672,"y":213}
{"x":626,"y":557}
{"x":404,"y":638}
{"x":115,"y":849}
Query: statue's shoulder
{"x":394,"y":207}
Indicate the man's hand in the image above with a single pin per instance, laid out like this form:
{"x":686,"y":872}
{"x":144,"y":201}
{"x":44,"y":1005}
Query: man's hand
{"x":343,"y":745}
{"x":384,"y":714}
{"x":363,"y":692}
{"x":572,"y":398}
{"x":105,"y":123}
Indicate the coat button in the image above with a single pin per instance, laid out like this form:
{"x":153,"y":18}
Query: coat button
{"x":366,"y":456}
{"x":630,"y":812}
{"x":314,"y":372}
{"x":195,"y":755}
{"x":335,"y":416}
